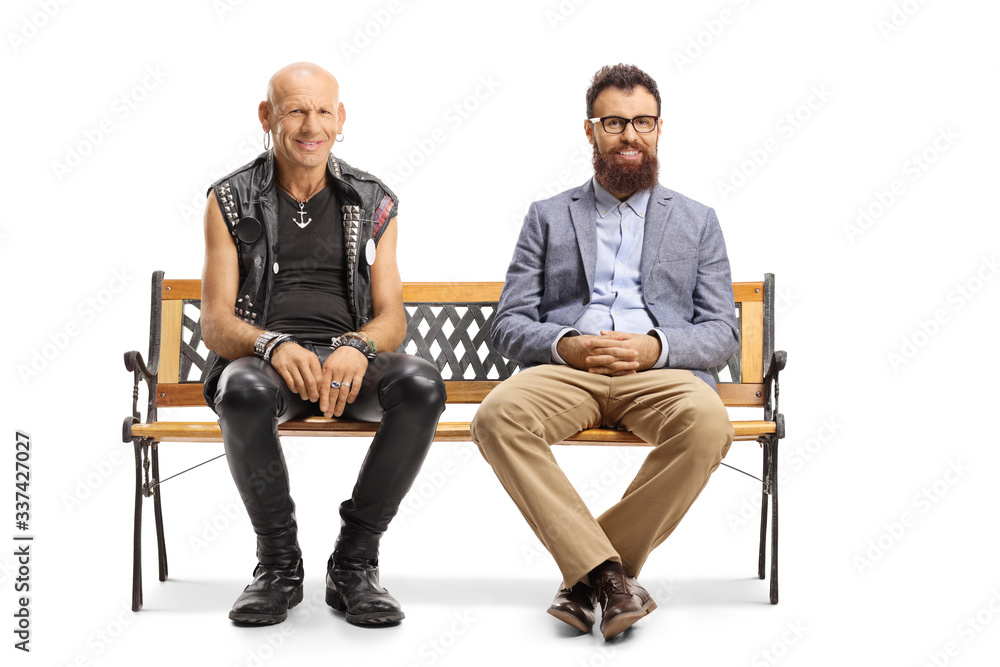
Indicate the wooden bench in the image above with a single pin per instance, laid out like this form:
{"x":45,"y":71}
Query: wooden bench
{"x":447,"y":324}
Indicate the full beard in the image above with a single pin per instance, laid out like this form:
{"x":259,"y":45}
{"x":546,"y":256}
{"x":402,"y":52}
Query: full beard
{"x":623,"y":178}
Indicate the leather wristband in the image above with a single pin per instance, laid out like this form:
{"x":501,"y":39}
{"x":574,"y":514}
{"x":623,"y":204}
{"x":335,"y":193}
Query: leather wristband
{"x":362,"y":337}
{"x":280,"y":340}
{"x":358,"y":344}
{"x":262,"y":342}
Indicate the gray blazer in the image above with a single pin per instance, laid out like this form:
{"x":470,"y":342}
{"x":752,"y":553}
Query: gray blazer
{"x":685,"y":279}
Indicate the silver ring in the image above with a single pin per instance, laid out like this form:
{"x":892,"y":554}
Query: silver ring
{"x":346,"y":384}
{"x":335,"y":384}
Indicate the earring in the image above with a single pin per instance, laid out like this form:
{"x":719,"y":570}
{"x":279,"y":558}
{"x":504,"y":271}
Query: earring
{"x":340,"y":137}
{"x":267,"y":141}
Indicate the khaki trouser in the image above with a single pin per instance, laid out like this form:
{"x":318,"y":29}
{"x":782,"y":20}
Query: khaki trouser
{"x":672,"y":409}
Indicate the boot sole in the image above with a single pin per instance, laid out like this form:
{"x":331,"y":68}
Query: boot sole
{"x":267,"y":619}
{"x":570,"y":619}
{"x":334,"y":600}
{"x":623,"y":622}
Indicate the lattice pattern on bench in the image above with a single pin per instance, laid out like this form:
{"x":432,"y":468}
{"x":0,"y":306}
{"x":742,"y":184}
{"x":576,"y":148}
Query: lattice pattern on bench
{"x":453,"y":337}
{"x":456,"y":338}
{"x":193,"y":352}
{"x":441,"y":333}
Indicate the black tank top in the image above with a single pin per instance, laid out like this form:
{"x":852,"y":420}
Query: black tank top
{"x":309,"y":299}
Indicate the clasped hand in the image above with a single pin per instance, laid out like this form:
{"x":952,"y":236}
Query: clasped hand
{"x":610,"y":353}
{"x":301,"y":371}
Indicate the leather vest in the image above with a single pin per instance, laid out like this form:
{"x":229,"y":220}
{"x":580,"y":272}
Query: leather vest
{"x":249,"y":204}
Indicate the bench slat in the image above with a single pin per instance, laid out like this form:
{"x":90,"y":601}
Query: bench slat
{"x":752,"y":340}
{"x":170,"y":341}
{"x":446,"y":432}
{"x":743,"y":292}
{"x":482,"y":292}
{"x":189,"y":394}
{"x":174,"y":290}
{"x":427,"y":291}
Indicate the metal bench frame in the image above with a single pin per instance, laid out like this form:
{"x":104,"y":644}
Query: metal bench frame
{"x":448,"y":324}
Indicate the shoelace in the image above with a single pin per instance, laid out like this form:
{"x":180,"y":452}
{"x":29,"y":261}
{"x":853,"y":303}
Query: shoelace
{"x":612,"y":584}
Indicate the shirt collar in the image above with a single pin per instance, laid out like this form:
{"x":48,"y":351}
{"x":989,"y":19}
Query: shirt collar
{"x":607,"y":202}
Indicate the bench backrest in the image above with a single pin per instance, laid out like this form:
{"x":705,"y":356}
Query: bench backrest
{"x":448,"y":324}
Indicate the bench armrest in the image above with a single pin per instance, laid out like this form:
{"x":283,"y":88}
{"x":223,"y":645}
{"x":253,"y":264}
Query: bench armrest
{"x":775,"y":364}
{"x":134,"y":363}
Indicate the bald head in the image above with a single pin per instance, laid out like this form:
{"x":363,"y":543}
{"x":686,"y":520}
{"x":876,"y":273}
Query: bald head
{"x":304,"y":115}
{"x":298,"y":77}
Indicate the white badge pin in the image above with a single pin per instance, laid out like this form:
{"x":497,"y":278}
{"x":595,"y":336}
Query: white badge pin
{"x":370,"y":252}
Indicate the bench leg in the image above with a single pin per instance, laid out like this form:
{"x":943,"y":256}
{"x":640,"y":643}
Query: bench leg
{"x":773,"y":472}
{"x":137,"y":532}
{"x":161,"y":545}
{"x":763,"y":512}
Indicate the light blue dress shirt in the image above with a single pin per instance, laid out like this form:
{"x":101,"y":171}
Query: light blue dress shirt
{"x":616,"y":303}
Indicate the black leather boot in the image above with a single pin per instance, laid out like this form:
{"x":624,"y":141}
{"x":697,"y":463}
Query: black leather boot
{"x":274,"y":590}
{"x":250,"y":405}
{"x":352,"y":587}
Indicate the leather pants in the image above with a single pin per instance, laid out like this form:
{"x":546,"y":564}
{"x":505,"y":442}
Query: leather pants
{"x":405,"y":393}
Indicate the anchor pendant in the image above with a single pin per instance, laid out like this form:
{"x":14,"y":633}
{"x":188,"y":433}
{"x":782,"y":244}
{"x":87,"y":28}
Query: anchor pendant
{"x":301,"y":222}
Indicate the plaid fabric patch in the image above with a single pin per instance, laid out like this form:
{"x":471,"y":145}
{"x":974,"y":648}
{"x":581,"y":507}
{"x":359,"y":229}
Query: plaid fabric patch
{"x":382,"y":213}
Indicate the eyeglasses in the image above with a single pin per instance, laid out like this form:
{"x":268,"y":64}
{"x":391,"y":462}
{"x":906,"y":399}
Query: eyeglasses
{"x":617,"y":124}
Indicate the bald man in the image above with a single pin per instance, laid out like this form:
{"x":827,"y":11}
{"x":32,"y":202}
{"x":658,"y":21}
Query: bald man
{"x":302,"y":308}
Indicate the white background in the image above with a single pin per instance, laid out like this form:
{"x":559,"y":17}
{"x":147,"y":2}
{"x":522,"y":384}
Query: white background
{"x":888,"y":554}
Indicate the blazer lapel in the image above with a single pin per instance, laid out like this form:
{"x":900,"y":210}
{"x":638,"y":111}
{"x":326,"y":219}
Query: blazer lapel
{"x":657,"y":217}
{"x":584,"y":217}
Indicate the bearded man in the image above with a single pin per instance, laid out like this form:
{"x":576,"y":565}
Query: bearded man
{"x":618,"y":301}
{"x":302,"y":307}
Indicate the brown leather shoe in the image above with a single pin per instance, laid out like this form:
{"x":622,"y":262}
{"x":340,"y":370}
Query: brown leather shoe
{"x":575,"y":606}
{"x":623,"y":600}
